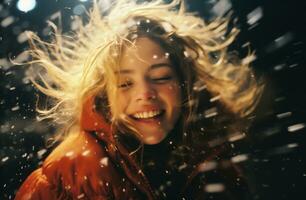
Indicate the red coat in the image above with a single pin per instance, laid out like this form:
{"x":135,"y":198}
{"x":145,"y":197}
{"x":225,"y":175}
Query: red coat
{"x":91,"y":165}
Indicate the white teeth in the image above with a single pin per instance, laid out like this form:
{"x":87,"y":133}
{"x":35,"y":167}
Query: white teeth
{"x":145,"y":115}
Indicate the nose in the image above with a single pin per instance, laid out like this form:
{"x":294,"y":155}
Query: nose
{"x":145,"y":91}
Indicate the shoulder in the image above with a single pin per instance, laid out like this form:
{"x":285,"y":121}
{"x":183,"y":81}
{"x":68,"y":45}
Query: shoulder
{"x":79,"y":155}
{"x":36,"y":187}
{"x":79,"y":166}
{"x":79,"y":147}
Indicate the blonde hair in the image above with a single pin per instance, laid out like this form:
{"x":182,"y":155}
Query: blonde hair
{"x":82,"y":64}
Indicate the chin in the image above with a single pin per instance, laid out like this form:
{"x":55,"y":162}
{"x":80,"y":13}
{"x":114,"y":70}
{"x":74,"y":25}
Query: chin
{"x":151,"y":140}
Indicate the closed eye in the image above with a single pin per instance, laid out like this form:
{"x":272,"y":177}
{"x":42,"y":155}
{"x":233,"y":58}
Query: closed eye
{"x":125,"y":85}
{"x":162,"y":79}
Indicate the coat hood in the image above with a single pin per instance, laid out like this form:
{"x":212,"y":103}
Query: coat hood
{"x":91,"y":120}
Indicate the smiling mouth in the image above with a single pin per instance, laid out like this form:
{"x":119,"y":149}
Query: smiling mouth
{"x":148,"y":115}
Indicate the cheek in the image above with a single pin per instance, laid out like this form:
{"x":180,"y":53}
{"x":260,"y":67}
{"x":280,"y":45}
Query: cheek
{"x":122,"y":102}
{"x":172,"y":93}
{"x":175,"y":90}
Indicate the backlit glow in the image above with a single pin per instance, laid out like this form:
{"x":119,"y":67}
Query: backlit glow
{"x":26,"y":5}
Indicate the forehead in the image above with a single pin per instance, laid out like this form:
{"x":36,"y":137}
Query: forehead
{"x":143,"y":51}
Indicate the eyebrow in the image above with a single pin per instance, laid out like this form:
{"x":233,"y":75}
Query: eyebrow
{"x":154,"y":66}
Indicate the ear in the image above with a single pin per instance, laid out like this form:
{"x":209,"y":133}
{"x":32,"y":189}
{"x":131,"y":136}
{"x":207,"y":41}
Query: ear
{"x":91,"y":120}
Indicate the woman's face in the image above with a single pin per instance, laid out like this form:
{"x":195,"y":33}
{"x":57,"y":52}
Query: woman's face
{"x":149,"y":93}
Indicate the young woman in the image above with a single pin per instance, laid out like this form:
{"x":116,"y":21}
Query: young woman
{"x":135,"y":90}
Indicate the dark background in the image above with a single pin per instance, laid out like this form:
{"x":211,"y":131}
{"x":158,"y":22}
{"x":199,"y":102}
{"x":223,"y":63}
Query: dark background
{"x":275,"y":144}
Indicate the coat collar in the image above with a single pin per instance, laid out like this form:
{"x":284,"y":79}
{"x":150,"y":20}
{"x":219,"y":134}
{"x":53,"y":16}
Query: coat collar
{"x":91,"y":120}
